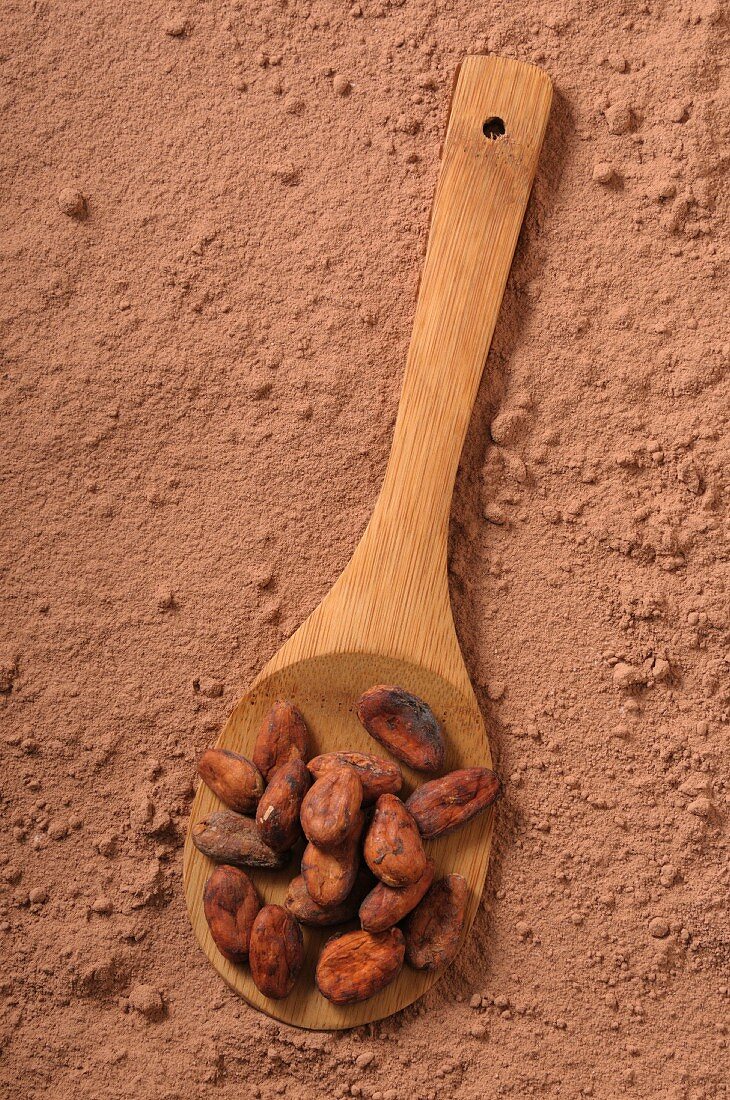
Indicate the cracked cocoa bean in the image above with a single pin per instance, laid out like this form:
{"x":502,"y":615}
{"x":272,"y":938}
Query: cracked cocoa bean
{"x":232,"y":838}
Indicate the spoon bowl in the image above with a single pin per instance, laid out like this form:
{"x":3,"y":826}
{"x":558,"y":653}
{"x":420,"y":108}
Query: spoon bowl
{"x":326,"y":689}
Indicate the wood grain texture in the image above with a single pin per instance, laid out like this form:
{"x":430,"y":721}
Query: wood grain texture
{"x":388,"y":617}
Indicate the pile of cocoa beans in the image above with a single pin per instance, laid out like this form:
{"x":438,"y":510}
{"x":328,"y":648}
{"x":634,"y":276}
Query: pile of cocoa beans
{"x":347,"y":806}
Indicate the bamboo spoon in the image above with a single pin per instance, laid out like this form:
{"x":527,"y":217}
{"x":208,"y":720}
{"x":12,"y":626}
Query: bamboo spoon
{"x":388,"y":617}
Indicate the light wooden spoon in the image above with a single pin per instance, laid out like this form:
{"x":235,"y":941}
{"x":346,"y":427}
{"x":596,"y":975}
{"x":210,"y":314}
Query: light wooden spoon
{"x":388,"y":619}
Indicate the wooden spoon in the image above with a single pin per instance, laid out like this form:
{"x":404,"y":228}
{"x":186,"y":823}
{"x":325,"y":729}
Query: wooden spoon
{"x":388,"y":619}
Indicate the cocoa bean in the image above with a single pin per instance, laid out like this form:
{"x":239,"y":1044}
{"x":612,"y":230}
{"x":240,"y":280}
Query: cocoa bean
{"x":393,"y":848}
{"x":404,"y":724}
{"x":276,"y":952}
{"x":385,"y":905}
{"x":434,"y":928}
{"x":283,"y":734}
{"x":443,"y":805}
{"x":278,"y":810}
{"x":357,"y":965}
{"x":330,"y":808}
{"x":377,"y":775}
{"x":235,"y":780}
{"x":330,"y":876}
{"x":230,"y":903}
{"x":231,"y":838}
{"x":299,"y":903}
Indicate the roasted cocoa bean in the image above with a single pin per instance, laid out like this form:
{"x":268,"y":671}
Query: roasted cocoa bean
{"x":330,"y":808}
{"x":278,"y":810}
{"x":230,"y":903}
{"x":235,"y":780}
{"x":434,"y":928}
{"x":283,"y":734}
{"x":404,"y":724}
{"x":306,"y":910}
{"x":330,"y":876}
{"x":385,"y":905}
{"x":377,"y":775}
{"x":357,"y":965}
{"x":443,"y":805}
{"x":276,"y":952}
{"x":393,"y":848}
{"x":231,"y":838}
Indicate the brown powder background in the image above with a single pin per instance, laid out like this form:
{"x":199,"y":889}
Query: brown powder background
{"x":200,"y":376}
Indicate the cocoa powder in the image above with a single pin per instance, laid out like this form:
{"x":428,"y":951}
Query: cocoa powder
{"x":200,"y":375}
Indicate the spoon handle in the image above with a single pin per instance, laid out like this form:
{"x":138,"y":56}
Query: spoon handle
{"x":497,"y":122}
{"x":393,"y":597}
